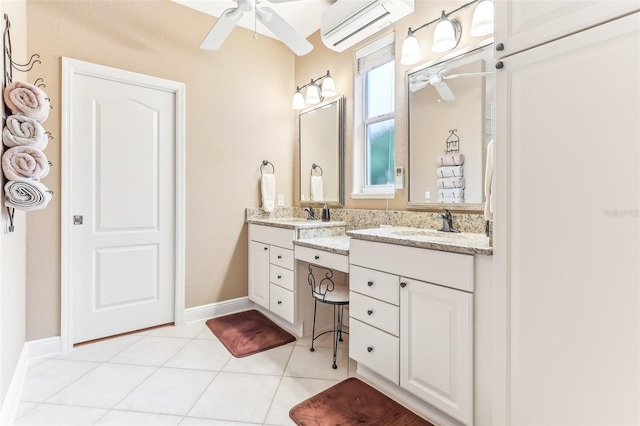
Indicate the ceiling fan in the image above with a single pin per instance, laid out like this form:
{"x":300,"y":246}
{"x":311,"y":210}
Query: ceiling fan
{"x":267,"y":16}
{"x":436,"y":80}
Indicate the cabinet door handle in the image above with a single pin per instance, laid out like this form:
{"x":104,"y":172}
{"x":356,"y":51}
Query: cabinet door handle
{"x":499,"y":65}
{"x":369,"y":283}
{"x":369,"y":348}
{"x":403,"y":284}
{"x":316,"y":257}
{"x":499,"y":47}
{"x":279,"y":302}
{"x":370,"y":311}
{"x":266,"y":248}
{"x":279,"y":257}
{"x":279,"y":276}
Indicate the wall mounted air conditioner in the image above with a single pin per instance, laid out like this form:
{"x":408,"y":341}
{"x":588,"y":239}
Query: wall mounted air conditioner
{"x":348,"y":22}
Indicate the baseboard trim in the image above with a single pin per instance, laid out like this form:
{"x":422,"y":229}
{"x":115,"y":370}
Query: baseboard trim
{"x":14,"y":391}
{"x":199,"y":313}
{"x":44,"y":347}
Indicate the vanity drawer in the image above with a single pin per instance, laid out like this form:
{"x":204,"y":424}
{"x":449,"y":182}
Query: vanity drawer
{"x":281,"y":257}
{"x":281,"y":276}
{"x":374,"y":312}
{"x":281,"y":302}
{"x":375,"y":349}
{"x":376,"y":284}
{"x":271,"y":235}
{"x":323,"y":258}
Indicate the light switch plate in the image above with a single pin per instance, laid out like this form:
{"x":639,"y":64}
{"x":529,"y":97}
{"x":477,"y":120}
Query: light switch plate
{"x":399,"y":177}
{"x":280,"y":200}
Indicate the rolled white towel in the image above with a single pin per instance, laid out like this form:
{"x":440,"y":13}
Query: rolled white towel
{"x":317,"y":191}
{"x":27,"y":99}
{"x":451,"y":200}
{"x":452,"y":159}
{"x":450,"y":183}
{"x":24,"y":131}
{"x":24,"y":162}
{"x":26,"y":194}
{"x":450,"y":171}
{"x":488,"y":183}
{"x":268,"y":186}
{"x":446,"y":194}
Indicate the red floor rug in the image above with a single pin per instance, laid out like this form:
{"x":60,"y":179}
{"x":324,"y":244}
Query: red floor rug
{"x":249,"y":332}
{"x":353,"y":402}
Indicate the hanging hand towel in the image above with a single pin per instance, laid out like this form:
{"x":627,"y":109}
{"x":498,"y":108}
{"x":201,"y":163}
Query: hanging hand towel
{"x":26,"y":194}
{"x":24,"y":131}
{"x":268,"y":186}
{"x":452,"y":159}
{"x":23,"y":162}
{"x":28,"y":100}
{"x":488,"y":183}
{"x":317,"y":191}
{"x":450,"y":183}
{"x":448,"y":172}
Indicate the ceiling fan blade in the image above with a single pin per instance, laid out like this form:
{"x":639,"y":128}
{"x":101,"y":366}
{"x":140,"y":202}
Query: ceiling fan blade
{"x":281,"y":1}
{"x":444,"y":91}
{"x":468,"y":74}
{"x":222,"y":28}
{"x":285,"y":32}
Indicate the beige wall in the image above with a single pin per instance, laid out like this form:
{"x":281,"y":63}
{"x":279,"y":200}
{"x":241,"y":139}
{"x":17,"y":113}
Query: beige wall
{"x":13,"y":245}
{"x":342,"y":67}
{"x":238,"y":113}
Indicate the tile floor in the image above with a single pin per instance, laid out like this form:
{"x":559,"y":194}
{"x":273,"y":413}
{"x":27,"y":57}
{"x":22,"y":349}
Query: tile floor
{"x":176,"y":376}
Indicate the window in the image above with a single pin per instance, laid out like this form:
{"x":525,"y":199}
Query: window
{"x":375,"y":121}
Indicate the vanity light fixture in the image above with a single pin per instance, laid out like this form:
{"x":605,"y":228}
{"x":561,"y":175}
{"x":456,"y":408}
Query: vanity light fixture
{"x":315,"y":94}
{"x":447,"y":32}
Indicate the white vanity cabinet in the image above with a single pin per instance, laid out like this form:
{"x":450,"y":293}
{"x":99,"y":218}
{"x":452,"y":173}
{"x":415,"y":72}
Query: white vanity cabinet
{"x":525,"y":24}
{"x":412,"y":321}
{"x":272,"y":270}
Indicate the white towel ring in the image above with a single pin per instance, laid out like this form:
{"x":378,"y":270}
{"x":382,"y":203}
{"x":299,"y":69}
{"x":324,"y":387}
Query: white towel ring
{"x":265,"y":163}
{"x":313,"y":167}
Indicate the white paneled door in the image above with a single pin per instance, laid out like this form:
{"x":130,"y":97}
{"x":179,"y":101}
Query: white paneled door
{"x":122,"y":204}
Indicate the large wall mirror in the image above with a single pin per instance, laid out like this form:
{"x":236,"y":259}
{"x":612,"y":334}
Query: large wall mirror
{"x":450,"y":124}
{"x":321,"y":152}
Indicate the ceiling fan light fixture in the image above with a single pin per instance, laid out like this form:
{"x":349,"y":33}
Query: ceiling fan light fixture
{"x":313,"y":94}
{"x":298,"y":100}
{"x":410,"y":50}
{"x":446,"y":35}
{"x":482,"y":21}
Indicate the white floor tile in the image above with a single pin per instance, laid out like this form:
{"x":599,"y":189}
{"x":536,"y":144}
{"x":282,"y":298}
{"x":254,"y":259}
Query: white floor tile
{"x":317,"y":365}
{"x":168,"y":391}
{"x":293,"y":390}
{"x":237,"y":397}
{"x":325,"y":341}
{"x":150,"y":350}
{"x":104,"y":386}
{"x":271,"y":362}
{"x":131,"y":418}
{"x":192,"y":421}
{"x":24,"y":408}
{"x":201,"y":355}
{"x":100,"y":351}
{"x":51,"y":376}
{"x":206,"y":334}
{"x":62,"y":415}
{"x":187,"y":331}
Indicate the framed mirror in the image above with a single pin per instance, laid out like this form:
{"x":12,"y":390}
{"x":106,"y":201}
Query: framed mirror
{"x":450,"y":115}
{"x":321,"y":153}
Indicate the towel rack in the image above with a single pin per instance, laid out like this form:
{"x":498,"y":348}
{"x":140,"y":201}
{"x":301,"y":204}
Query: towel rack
{"x":266,"y":163}
{"x":452,"y":143}
{"x":315,"y":166}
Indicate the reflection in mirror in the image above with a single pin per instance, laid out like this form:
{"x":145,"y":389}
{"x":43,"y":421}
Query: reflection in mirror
{"x":450,"y":125}
{"x":321,"y":153}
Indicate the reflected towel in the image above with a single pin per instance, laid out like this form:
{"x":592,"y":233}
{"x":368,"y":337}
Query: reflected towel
{"x":446,"y":194}
{"x":24,"y":131}
{"x":26,"y":194}
{"x":24,"y":162}
{"x":451,"y":171}
{"x":450,"y":183}
{"x":317,"y":191}
{"x":268,"y":187}
{"x":488,"y":183}
{"x":28,"y":100}
{"x":451,"y":200}
{"x":453,"y":159}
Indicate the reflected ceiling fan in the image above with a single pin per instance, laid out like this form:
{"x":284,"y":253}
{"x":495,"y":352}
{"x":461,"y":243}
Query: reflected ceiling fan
{"x":267,"y":16}
{"x":437,"y":81}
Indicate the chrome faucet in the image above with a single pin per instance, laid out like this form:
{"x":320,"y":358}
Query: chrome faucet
{"x":310,"y":214}
{"x":447,"y":221}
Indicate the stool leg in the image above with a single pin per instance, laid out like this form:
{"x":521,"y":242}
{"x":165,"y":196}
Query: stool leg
{"x":313,"y":329}
{"x":341,"y":319}
{"x":336,"y":319}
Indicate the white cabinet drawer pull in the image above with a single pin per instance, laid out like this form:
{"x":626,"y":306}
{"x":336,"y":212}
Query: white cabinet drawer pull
{"x":316,"y":257}
{"x":279,"y":302}
{"x":369,"y":348}
{"x":279,"y":277}
{"x":279,"y":257}
{"x":369,"y":283}
{"x":370,"y":311}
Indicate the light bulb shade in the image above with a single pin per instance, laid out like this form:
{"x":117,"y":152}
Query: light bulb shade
{"x":446,"y":35}
{"x":328,"y":87}
{"x":313,"y":94}
{"x":482,"y":22}
{"x":410,"y":51}
{"x":298,"y":101}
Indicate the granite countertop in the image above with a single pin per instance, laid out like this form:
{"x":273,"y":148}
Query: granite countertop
{"x":338,"y":244}
{"x":295,"y":223}
{"x":463,"y":242}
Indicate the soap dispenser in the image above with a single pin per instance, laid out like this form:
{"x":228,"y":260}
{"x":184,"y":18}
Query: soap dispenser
{"x":326,"y":217}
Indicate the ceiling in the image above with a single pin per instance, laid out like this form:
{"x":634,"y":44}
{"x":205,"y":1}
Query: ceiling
{"x":302,"y":15}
